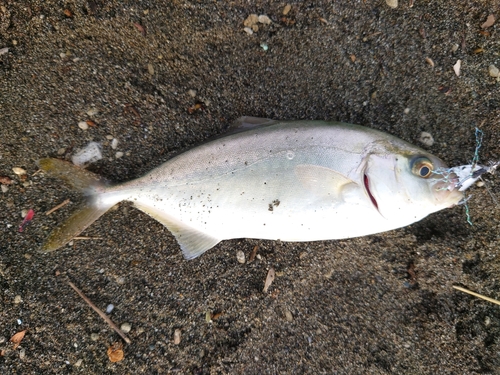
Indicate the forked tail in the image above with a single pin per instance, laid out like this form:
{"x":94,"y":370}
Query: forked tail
{"x":89,"y":184}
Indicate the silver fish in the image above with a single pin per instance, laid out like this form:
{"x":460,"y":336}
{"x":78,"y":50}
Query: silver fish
{"x":286,"y":180}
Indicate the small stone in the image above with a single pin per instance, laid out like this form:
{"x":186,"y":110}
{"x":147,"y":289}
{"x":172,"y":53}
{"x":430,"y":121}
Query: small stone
{"x":406,"y":111}
{"x":456,"y":67}
{"x":489,"y":22}
{"x":251,"y":20}
{"x":493,"y":70}
{"x":4,"y":188}
{"x":78,"y":363}
{"x":110,"y":308}
{"x":255,"y":28}
{"x":83,"y":125}
{"x":480,"y":183}
{"x":151,"y":69}
{"x":2,"y":339}
{"x":264,"y":19}
{"x":240,"y":257}
{"x":426,"y":139}
{"x":94,"y":336}
{"x":4,"y":50}
{"x":177,"y":336}
{"x":487,"y":321}
{"x":287,"y":9}
{"x":119,"y":154}
{"x":454,"y":48}
{"x":19,"y":171}
{"x":288,"y":316}
{"x":18,"y":299}
{"x":126,"y":327}
{"x":248,"y":30}
{"x":61,"y":151}
{"x":392,"y":3}
{"x":92,"y":111}
{"x":22,"y":353}
{"x":192,"y":93}
{"x":114,"y":143}
{"x":109,"y":137}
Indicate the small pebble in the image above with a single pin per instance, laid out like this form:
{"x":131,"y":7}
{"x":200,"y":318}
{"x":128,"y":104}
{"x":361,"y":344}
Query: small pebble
{"x":392,"y":3}
{"x":406,"y":111}
{"x":61,"y":151}
{"x":92,"y":111}
{"x":78,"y":363}
{"x":426,"y":139}
{"x":4,"y":50}
{"x":487,"y":321}
{"x":4,"y":188}
{"x":18,"y":299}
{"x":264,"y":19}
{"x":126,"y":327}
{"x":22,"y":353}
{"x":177,"y":336}
{"x":454,"y":48}
{"x":109,"y":137}
{"x":19,"y":171}
{"x":480,"y":183}
{"x":287,"y":9}
{"x":94,"y":336}
{"x":248,"y":30}
{"x":109,"y":308}
{"x":493,"y":70}
{"x":240,"y":256}
{"x":192,"y":93}
{"x":251,"y":20}
{"x":83,"y":125}
{"x":24,"y":212}
{"x":151,"y":69}
{"x":288,"y":316}
{"x":119,"y":154}
{"x":457,"y":66}
{"x":2,"y":339}
{"x":114,"y":143}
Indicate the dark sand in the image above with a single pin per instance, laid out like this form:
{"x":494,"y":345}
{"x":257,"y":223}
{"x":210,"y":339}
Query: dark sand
{"x":382,"y":304}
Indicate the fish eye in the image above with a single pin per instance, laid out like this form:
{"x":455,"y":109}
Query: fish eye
{"x":422,"y":167}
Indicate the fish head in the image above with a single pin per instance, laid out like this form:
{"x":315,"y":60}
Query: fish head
{"x":407,"y":185}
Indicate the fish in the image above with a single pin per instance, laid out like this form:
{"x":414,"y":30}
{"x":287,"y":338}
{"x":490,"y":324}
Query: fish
{"x":299,"y":180}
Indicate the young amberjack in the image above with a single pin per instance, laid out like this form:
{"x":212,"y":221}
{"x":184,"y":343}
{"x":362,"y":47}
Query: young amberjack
{"x":286,"y":180}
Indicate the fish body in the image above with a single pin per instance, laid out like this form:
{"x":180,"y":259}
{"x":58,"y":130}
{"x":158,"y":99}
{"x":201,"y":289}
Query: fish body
{"x":282,"y":180}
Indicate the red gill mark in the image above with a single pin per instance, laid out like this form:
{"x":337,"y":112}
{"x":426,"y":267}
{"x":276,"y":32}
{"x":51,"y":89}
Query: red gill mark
{"x":367,"y":187}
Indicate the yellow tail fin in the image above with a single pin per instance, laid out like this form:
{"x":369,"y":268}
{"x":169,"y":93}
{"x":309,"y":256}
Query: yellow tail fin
{"x":86,"y":182}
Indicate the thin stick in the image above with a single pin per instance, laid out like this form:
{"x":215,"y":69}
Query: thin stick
{"x":477,"y":295}
{"x":57,"y":207}
{"x":101,"y":314}
{"x":87,"y":238}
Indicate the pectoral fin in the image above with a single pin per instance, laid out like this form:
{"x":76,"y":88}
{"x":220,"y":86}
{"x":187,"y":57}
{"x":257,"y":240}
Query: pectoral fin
{"x":192,"y":241}
{"x":322,"y":181}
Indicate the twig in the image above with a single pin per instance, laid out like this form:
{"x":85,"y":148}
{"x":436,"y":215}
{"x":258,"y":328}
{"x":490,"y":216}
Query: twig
{"x":101,"y":314}
{"x":87,"y":238}
{"x":477,"y":295}
{"x":57,"y":207}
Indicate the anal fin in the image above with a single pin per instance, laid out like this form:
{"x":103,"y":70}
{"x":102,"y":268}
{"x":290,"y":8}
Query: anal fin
{"x":192,"y":241}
